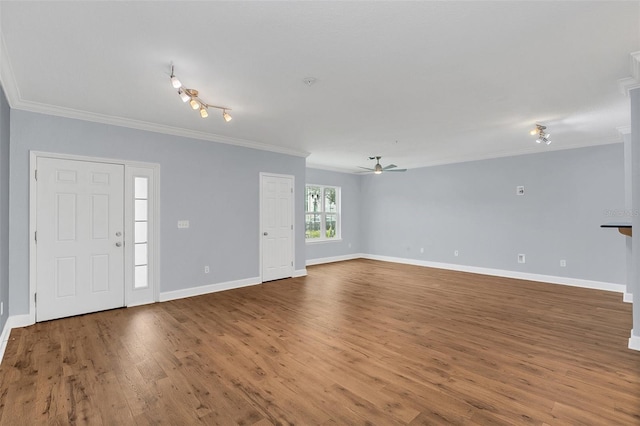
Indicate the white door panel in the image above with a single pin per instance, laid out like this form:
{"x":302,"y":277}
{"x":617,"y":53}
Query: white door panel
{"x":80,"y":225}
{"x":277,"y":226}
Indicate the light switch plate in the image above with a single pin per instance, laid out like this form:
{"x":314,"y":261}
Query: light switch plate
{"x":183,"y":224}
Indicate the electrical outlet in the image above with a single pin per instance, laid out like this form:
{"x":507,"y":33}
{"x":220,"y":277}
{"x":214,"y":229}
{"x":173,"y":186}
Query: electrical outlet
{"x":456,"y":253}
{"x":520,"y":190}
{"x":563,"y":263}
{"x":421,"y":249}
{"x":521,"y":258}
{"x":206,"y":269}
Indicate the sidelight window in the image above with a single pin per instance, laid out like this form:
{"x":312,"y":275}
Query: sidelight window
{"x":141,"y":232}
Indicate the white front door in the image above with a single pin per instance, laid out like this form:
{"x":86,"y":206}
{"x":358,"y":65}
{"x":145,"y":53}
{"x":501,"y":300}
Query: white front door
{"x":276,"y":215}
{"x":79,"y":248}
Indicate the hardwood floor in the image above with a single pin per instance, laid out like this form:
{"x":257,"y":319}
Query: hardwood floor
{"x":358,"y":342}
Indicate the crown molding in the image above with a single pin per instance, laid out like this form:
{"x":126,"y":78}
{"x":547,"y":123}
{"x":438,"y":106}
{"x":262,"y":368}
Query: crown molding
{"x":151,"y":127}
{"x":457,"y":159}
{"x":7,"y":78}
{"x":624,"y":130}
{"x":536,"y":149}
{"x":329,"y":168}
{"x":633,"y":82}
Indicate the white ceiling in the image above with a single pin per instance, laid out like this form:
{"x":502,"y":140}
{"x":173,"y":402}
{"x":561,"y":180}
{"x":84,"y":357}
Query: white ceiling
{"x":449,"y":81}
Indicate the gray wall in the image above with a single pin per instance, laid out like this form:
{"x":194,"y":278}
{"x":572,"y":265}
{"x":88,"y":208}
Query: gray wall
{"x":350,"y":214}
{"x":4,"y":206}
{"x":214,"y":186}
{"x":473,"y":208}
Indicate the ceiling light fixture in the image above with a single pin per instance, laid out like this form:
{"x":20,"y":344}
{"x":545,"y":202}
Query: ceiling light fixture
{"x":543,"y":137}
{"x":191,"y":96}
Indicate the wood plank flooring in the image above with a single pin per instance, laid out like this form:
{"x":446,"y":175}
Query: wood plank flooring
{"x":357,"y":342}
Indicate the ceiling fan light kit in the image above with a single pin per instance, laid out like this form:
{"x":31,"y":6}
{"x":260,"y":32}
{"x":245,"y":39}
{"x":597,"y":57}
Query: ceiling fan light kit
{"x":197,"y":104}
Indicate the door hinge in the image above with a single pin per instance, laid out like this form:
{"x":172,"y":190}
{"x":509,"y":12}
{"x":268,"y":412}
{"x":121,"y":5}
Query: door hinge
{"x":292,"y":263}
{"x":292,"y":190}
{"x":35,"y":297}
{"x":36,"y":236}
{"x":292,"y":227}
{"x":36,"y":174}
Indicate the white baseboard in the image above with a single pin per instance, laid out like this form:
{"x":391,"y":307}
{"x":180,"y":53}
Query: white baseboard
{"x":628,"y":297}
{"x":18,"y":321}
{"x":332,"y":259}
{"x":634,"y":342}
{"x":133,"y":305}
{"x":15,"y":321}
{"x":300,"y":273}
{"x":4,"y":338}
{"x":206,"y":289}
{"x":574,"y":282}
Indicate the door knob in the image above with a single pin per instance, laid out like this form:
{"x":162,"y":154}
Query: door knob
{"x":118,"y":234}
{"x":265,"y":233}
{"x":118,"y":244}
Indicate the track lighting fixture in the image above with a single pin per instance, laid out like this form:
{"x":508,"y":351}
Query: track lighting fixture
{"x":191,"y":96}
{"x":543,"y":137}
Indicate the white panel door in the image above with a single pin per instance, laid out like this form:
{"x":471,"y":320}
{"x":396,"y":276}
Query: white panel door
{"x":277,"y":227}
{"x":79,"y":249}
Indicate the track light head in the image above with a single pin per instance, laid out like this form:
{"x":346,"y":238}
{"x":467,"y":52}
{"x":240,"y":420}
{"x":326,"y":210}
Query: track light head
{"x":183,"y":95}
{"x":174,"y":80}
{"x":194,"y":104}
{"x":203,"y":112}
{"x":227,"y":117}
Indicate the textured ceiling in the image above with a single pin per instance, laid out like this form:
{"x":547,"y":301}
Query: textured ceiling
{"x":419,"y":83}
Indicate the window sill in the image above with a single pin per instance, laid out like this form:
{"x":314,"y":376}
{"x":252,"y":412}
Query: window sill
{"x":332,"y":240}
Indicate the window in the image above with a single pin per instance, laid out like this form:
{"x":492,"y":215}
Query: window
{"x":322,"y":213}
{"x":141,"y":228}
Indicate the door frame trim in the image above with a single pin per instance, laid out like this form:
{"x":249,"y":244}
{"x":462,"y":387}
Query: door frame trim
{"x":155,"y":216}
{"x":293,"y":220}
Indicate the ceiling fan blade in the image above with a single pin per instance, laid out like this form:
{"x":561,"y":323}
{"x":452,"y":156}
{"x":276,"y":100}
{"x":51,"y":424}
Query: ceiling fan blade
{"x":367,"y":168}
{"x":390,"y":166}
{"x":396,"y":170}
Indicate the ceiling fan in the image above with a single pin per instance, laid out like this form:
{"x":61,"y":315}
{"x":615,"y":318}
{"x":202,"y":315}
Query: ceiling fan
{"x":379,"y":169}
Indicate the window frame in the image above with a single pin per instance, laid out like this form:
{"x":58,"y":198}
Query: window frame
{"x":323,"y":214}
